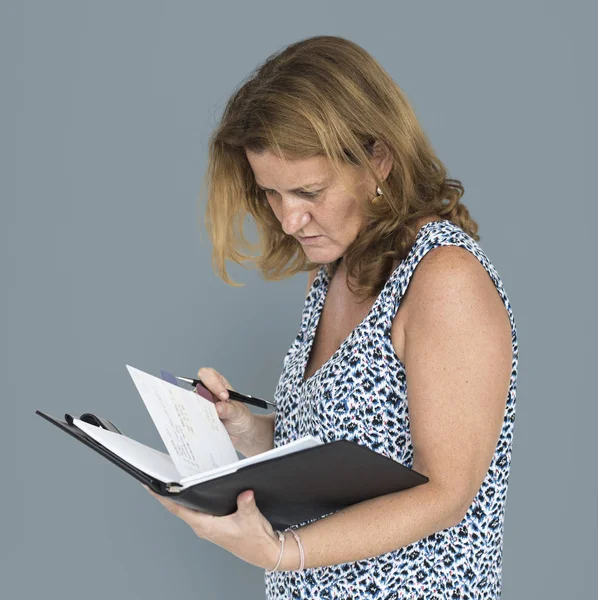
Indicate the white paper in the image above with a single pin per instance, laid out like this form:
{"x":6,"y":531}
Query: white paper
{"x":153,"y":462}
{"x":188,"y":424}
{"x":303,"y":443}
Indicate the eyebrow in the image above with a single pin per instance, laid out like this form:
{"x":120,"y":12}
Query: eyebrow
{"x":294,"y":190}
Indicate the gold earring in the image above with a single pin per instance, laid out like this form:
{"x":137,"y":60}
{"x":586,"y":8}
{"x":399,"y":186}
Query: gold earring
{"x":379,"y":195}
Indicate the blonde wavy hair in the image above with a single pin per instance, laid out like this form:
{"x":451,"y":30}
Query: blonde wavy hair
{"x":324,"y":96}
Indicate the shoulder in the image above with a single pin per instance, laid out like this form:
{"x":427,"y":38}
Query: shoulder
{"x":449,"y":287}
{"x":449,"y":273}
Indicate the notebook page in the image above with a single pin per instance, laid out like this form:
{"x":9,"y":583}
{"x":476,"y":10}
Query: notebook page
{"x":188,"y":424}
{"x":303,"y":443}
{"x":150,"y":461}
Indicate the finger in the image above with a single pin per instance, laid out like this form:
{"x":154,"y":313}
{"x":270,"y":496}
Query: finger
{"x":186,"y":514}
{"x":214,"y":382}
{"x":177,"y":509}
{"x":164,"y":501}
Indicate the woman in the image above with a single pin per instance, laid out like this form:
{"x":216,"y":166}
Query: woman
{"x":407,"y":341}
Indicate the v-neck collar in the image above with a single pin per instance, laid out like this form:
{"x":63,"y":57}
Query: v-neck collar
{"x":319,"y":307}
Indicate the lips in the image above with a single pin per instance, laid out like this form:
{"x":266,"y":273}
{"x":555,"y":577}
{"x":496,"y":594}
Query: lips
{"x":309,"y":239}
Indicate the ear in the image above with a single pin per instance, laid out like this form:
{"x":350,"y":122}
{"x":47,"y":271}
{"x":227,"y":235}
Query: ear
{"x":381,"y":159}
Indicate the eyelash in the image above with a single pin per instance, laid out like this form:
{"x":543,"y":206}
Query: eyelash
{"x":304,"y":194}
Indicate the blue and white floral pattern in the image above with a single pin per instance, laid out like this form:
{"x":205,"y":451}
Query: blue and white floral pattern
{"x":360,"y":394}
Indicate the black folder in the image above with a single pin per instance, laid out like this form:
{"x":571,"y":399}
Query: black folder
{"x":290,"y":489}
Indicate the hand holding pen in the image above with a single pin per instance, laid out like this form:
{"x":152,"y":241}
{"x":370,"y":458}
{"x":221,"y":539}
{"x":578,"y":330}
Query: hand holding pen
{"x":249,"y":432}
{"x":220,"y":387}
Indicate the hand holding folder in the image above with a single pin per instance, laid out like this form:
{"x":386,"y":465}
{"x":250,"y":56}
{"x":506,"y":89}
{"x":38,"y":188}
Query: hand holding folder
{"x":299,"y":481}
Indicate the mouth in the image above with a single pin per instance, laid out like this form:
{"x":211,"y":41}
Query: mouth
{"x":310,"y":239}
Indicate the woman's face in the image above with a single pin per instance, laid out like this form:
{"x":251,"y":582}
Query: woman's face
{"x":310,"y":200}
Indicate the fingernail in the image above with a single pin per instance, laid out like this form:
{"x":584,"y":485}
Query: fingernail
{"x":223,"y":395}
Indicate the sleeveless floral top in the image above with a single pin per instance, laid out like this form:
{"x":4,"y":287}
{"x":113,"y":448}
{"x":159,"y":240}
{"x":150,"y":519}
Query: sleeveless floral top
{"x":360,"y":394}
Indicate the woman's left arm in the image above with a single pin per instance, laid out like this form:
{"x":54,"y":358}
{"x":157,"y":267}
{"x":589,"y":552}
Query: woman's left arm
{"x":457,"y":360}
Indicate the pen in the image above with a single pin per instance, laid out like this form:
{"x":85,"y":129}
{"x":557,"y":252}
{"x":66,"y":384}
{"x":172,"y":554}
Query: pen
{"x":232,"y":394}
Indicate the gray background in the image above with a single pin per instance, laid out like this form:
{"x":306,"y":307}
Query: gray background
{"x":106,"y":108}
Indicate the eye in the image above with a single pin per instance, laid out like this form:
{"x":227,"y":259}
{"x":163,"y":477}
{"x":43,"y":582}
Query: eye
{"x":303,"y":194}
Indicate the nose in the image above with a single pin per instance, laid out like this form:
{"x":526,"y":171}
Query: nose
{"x":294,"y":216}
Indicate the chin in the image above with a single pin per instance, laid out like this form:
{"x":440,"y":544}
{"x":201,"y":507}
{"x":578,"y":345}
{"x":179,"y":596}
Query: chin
{"x":321,"y":255}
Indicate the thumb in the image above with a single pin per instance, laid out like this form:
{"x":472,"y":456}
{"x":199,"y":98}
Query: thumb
{"x":246,"y":502}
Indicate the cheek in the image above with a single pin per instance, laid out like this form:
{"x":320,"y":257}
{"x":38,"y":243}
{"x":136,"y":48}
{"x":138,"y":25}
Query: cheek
{"x":345,"y":220}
